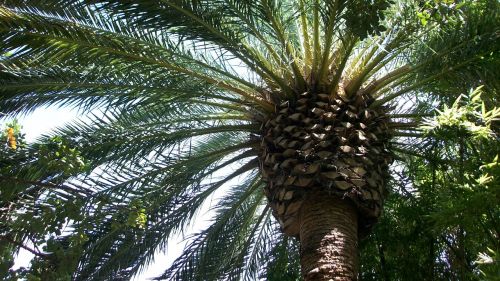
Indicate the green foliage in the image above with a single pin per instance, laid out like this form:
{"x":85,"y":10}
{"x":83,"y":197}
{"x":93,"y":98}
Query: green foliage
{"x":443,"y":212}
{"x":23,"y":174}
{"x":15,"y":131}
{"x":57,"y":155}
{"x":180,"y":90}
{"x":365,"y":18}
{"x":284,"y":262}
{"x":137,"y":216}
{"x":441,"y":11}
{"x":464,"y":119}
{"x":465,"y":27}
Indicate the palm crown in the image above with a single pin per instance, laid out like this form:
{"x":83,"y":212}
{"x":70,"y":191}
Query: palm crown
{"x":291,"y":97}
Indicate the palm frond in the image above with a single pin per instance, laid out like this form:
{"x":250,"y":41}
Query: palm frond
{"x":156,"y":128}
{"x":122,"y":250}
{"x":220,"y":250}
{"x":37,"y":41}
{"x":170,"y":189}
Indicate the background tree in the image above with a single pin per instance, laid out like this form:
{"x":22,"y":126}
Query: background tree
{"x":444,"y":212}
{"x":307,"y":101}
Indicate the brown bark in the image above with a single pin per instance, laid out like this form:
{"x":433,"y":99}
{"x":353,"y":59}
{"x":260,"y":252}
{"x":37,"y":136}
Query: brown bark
{"x":328,"y":238}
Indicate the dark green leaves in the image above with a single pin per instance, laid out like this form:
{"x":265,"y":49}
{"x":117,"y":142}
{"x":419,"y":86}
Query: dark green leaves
{"x":363,"y":18}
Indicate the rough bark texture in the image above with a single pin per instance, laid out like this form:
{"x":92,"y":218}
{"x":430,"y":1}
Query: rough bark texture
{"x":325,"y":142}
{"x":328,"y":238}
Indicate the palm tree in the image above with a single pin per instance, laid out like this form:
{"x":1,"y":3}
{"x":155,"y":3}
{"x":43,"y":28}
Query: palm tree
{"x":305,"y":103}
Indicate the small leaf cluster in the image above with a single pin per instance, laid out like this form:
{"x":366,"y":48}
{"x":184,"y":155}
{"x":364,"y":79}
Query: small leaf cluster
{"x":58,"y":155}
{"x":439,"y":11}
{"x":467,"y":116}
{"x":137,"y":217}
{"x":364,"y":18}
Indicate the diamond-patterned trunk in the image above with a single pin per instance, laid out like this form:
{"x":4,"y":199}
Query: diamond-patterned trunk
{"x":325,"y":143}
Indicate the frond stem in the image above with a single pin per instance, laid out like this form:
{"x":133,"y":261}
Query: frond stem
{"x":29,"y":249}
{"x":418,"y":84}
{"x":410,"y":115}
{"x":278,"y":28}
{"x":305,"y":35}
{"x":411,"y":135}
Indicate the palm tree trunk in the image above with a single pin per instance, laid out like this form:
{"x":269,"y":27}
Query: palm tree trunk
{"x":328,"y":238}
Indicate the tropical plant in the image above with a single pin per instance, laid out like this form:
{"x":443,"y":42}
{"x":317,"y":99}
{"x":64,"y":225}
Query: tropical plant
{"x":307,"y":103}
{"x":444,"y":212}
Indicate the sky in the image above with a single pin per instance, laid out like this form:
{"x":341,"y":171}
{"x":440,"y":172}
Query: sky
{"x":42,"y":121}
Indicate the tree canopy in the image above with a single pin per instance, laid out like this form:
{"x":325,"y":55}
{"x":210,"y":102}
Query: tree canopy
{"x":176,"y":95}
